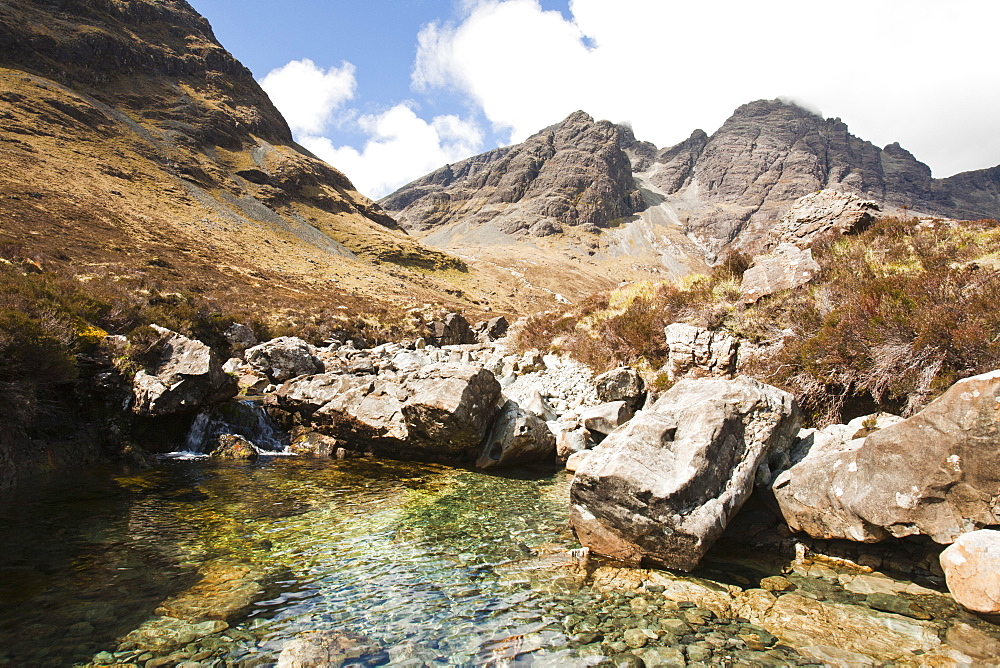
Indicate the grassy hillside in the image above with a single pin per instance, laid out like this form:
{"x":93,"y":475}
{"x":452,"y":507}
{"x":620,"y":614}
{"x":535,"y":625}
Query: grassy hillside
{"x":898,"y":314}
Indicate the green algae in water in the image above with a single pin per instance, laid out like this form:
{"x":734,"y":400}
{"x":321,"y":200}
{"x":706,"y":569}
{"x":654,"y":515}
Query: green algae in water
{"x":397,"y":552}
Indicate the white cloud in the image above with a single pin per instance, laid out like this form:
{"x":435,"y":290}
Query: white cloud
{"x":921,"y":72}
{"x":401,"y":147}
{"x":307,"y":96}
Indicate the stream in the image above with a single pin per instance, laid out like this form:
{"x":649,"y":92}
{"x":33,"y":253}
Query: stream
{"x":368,"y":562}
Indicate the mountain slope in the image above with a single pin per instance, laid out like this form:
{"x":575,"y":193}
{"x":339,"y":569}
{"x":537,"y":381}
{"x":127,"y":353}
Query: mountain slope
{"x":133,"y":143}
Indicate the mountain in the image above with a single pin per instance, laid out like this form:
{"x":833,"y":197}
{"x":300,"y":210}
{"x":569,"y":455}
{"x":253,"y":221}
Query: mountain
{"x":563,"y":209}
{"x":731,"y":187}
{"x":697,"y":200}
{"x":133,"y":144}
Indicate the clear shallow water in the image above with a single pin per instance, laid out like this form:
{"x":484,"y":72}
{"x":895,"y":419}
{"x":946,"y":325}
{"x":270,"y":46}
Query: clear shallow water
{"x":404,"y":555}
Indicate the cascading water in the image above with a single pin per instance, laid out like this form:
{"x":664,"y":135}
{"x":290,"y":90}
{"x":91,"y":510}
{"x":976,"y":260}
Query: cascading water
{"x":245,"y":418}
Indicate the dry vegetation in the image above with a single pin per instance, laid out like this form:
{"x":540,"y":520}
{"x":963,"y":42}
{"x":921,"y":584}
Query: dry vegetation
{"x":898,"y":314}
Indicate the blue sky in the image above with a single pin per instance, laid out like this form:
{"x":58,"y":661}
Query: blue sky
{"x":387,"y":90}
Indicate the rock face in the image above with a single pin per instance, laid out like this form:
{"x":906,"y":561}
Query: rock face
{"x":784,"y":268}
{"x":664,"y":486}
{"x":517,"y":437}
{"x":284,"y":358}
{"x":188,"y":376}
{"x":934,"y":474}
{"x":698,"y":352}
{"x":824,"y":213}
{"x":972,"y":569}
{"x":571,"y":174}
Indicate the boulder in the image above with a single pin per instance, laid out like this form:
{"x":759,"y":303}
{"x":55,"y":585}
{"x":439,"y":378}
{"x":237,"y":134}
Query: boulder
{"x":569,"y":441}
{"x":453,"y":330}
{"x":621,"y":384}
{"x":451,"y":406}
{"x":698,"y":352}
{"x":284,"y":358}
{"x":517,"y":437}
{"x":605,"y":418}
{"x":440,"y":412}
{"x":240,"y":336}
{"x":664,"y":486}
{"x":824,"y":213}
{"x":188,"y":376}
{"x":936,"y":473}
{"x":972,"y":570}
{"x":492,"y":329}
{"x":784,"y":268}
{"x":576,"y":460}
{"x":234,"y":446}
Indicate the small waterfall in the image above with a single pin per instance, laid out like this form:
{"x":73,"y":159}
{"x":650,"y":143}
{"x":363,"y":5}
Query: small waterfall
{"x":245,"y":418}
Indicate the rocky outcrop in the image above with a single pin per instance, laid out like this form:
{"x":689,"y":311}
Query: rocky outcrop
{"x":784,"y":268}
{"x":284,"y":358}
{"x":821,"y":214}
{"x":972,"y":569}
{"x":698,"y":352}
{"x":188,"y":376}
{"x":517,"y":437}
{"x":934,"y":474}
{"x":664,"y":486}
{"x":571,"y":174}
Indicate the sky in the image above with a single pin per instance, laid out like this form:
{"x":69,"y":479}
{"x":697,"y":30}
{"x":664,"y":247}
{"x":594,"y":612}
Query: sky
{"x":389,"y":90}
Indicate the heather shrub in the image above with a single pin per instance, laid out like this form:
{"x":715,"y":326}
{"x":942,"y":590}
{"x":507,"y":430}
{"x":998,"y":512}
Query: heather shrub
{"x":896,"y":316}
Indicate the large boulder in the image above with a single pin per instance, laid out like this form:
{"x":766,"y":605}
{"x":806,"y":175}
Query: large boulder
{"x":784,"y":268}
{"x":621,"y":384}
{"x":442,"y":411}
{"x":492,"y":329}
{"x":972,"y":570}
{"x":605,"y":418}
{"x":517,"y":437}
{"x":284,"y":358}
{"x":451,"y":406}
{"x":936,"y":473}
{"x":824,"y":213}
{"x":453,"y":330}
{"x":187,"y":377}
{"x":698,"y":352}
{"x":664,"y":486}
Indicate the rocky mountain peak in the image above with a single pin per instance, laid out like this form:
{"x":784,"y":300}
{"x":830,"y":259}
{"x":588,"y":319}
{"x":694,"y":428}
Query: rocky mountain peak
{"x":573,"y":173}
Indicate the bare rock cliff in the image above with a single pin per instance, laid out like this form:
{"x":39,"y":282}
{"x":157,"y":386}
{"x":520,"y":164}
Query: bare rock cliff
{"x":733,"y":186}
{"x":571,"y":174}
